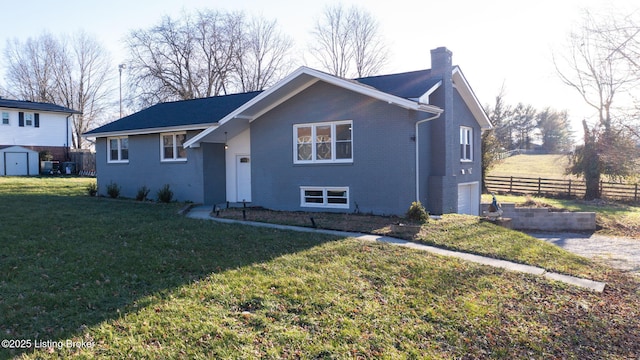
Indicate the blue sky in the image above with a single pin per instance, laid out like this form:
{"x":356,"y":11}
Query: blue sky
{"x":493,"y":41}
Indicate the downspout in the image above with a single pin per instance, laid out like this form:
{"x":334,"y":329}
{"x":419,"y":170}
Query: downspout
{"x":418,"y":152}
{"x":67,"y":136}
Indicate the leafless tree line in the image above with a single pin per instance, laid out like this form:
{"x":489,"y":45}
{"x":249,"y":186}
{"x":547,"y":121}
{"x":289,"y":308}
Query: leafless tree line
{"x":205,"y":54}
{"x":193,"y":55}
{"x":67,"y":71}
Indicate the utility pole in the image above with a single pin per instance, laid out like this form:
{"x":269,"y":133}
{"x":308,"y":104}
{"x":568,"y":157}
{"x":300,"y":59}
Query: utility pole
{"x":120,"y":67}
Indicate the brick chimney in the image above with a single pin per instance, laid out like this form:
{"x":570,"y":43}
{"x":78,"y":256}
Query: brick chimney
{"x":441,"y":61}
{"x":443,"y":186}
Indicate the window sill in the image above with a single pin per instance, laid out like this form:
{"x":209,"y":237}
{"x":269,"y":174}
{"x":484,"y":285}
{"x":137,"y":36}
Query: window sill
{"x":347,"y":162}
{"x":118,"y":162}
{"x":320,"y":206}
{"x":173,"y":160}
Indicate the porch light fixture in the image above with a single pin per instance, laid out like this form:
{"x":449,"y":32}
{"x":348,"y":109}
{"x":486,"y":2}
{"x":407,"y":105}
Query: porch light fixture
{"x":226,"y":147}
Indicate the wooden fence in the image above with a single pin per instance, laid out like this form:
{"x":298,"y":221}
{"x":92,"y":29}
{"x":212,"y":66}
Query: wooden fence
{"x":558,"y":187}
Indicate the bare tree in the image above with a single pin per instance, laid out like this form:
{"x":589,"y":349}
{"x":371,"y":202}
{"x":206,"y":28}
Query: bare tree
{"x":68,"y":71}
{"x":348,"y":43}
{"x":84,"y":83}
{"x":204,"y":54}
{"x":600,"y":76}
{"x":30,"y":68}
{"x":263,"y":56}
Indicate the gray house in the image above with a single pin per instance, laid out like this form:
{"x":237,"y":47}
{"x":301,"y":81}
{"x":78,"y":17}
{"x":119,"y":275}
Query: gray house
{"x":311,"y":142}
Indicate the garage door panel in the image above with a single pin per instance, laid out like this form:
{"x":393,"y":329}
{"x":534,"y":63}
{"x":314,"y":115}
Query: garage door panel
{"x":469,"y":199}
{"x":16,"y":164}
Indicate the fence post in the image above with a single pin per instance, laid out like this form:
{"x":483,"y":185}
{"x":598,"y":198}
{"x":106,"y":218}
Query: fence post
{"x":539,"y":186}
{"x":511,"y":185}
{"x":635,"y":194}
{"x":569,"y":188}
{"x":601,"y":189}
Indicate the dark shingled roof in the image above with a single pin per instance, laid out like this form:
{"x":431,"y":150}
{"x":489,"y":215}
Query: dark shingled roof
{"x":178,"y":113}
{"x":408,"y":85}
{"x":35,"y":106}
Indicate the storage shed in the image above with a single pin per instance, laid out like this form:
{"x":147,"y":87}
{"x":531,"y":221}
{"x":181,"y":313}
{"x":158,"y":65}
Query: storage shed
{"x":18,"y":161}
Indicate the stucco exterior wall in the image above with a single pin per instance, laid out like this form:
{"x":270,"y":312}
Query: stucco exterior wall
{"x":381,"y":178}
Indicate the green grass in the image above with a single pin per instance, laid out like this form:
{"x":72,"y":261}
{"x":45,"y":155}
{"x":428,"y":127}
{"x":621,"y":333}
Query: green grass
{"x":613,"y":218}
{"x":135,"y":280}
{"x":544,"y":166}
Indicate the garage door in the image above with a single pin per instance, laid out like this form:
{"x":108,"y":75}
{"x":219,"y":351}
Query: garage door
{"x":469,"y":198}
{"x":16,"y":163}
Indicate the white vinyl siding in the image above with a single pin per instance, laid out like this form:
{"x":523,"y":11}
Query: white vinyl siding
{"x":327,"y":142}
{"x":118,"y":149}
{"x":171,"y":147}
{"x":324,"y":197}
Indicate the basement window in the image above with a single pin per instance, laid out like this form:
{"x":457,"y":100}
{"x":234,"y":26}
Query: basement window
{"x":324,"y":197}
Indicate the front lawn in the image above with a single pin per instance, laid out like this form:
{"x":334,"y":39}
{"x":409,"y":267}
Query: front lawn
{"x":128,"y":279}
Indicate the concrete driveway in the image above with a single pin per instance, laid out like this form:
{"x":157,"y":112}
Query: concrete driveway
{"x":618,"y":252}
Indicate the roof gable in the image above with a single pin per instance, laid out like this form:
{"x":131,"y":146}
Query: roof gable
{"x":35,"y":106}
{"x":293,"y":84}
{"x":185,"y":113}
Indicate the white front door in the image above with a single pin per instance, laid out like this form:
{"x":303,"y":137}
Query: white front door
{"x":16,"y":163}
{"x":243,"y":178}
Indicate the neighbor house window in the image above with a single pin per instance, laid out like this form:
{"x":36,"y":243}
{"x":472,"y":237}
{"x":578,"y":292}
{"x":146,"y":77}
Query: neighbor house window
{"x":171,"y":147}
{"x":28,"y":119}
{"x":323,"y":142}
{"x":118,"y":149}
{"x":325,"y":197}
{"x":5,"y":118}
{"x":466,"y":143}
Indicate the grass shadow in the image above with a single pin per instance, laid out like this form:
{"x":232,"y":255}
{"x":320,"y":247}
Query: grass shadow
{"x":68,"y":263}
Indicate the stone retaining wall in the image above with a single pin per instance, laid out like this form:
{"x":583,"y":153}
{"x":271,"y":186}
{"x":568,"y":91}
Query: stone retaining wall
{"x":542,"y":219}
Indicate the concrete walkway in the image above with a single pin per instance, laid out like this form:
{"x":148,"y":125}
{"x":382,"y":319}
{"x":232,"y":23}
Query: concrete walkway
{"x":204,"y":212}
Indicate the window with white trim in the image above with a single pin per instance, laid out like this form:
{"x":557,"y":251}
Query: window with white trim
{"x":28,"y":119}
{"x":324,"y":197}
{"x":172,"y":146}
{"x":118,"y":149}
{"x":466,"y":143}
{"x":5,"y":118}
{"x":323,"y":142}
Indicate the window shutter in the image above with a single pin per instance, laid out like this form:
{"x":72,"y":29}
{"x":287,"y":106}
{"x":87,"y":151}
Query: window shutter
{"x":21,"y":119}
{"x":36,"y":120}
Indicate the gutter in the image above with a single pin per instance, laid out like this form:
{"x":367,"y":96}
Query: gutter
{"x":437,"y":115}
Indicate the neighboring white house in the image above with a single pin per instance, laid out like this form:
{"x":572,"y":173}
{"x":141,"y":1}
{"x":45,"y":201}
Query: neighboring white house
{"x":36,"y":126}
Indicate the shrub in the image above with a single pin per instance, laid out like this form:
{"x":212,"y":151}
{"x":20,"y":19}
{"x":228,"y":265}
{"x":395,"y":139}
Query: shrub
{"x":165,"y":194}
{"x":113,"y":190}
{"x":92,"y":189}
{"x":142,"y":194}
{"x":417,"y":213}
